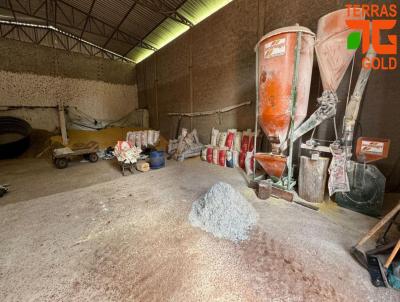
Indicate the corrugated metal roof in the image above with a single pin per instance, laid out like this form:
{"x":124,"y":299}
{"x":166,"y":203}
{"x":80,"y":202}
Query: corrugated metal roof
{"x":139,"y":54}
{"x":141,"y":21}
{"x":197,"y":10}
{"x":194,"y":10}
{"x":82,"y":5}
{"x":135,"y":28}
{"x":167,"y":31}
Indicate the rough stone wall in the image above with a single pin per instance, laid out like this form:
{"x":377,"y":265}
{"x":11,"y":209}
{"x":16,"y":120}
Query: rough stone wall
{"x":219,"y":55}
{"x":32,"y":75}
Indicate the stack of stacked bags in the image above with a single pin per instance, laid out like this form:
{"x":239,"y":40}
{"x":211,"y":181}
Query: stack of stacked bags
{"x":143,"y":139}
{"x":231,"y":149}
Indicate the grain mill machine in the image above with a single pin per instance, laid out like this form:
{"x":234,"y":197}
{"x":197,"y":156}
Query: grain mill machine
{"x":284,"y":60}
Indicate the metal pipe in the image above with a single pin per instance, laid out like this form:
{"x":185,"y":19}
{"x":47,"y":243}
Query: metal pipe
{"x":63,"y":126}
{"x":210,"y":112}
{"x":256,"y":117}
{"x":55,"y":29}
{"x":7,"y":108}
{"x":326,"y":110}
{"x":293,"y":108}
{"x":353,"y":107}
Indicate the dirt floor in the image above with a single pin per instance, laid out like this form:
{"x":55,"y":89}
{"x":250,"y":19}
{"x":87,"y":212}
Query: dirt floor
{"x":129,"y":239}
{"x":31,"y":178}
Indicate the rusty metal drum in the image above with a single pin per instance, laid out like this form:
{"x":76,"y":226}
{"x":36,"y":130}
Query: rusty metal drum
{"x":276,"y":67}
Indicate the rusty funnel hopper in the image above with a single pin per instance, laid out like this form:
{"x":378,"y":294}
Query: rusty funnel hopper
{"x":276,"y":70}
{"x":273,"y":164}
{"x":331,"y":46}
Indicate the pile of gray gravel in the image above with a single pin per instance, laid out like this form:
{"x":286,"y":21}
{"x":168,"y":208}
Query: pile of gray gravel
{"x":224,"y":212}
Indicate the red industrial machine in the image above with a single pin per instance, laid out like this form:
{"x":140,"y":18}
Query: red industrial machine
{"x":371,"y":149}
{"x":284,"y":60}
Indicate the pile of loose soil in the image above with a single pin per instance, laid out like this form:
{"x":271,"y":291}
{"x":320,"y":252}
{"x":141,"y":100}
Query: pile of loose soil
{"x":40,"y":144}
{"x":224,"y":212}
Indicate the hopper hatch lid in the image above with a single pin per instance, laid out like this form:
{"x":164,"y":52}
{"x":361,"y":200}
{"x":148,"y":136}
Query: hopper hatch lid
{"x":288,"y":29}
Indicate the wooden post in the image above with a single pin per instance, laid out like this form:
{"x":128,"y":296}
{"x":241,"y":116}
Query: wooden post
{"x":312,"y":178}
{"x":156,"y":90}
{"x":191,"y":78}
{"x":63,"y":126}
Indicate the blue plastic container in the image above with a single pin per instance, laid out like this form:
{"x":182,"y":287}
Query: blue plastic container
{"x":157,"y":159}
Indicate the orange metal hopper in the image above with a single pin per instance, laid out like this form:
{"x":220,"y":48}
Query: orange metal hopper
{"x":331,"y":46}
{"x":274,"y":165}
{"x":276,"y":61}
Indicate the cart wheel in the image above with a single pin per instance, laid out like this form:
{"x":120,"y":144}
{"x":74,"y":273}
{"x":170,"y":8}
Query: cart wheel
{"x":93,"y":157}
{"x":61,"y":163}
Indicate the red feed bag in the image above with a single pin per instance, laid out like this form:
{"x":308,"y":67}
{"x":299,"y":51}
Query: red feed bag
{"x":242,"y":160}
{"x":245,"y":143}
{"x":251,"y":143}
{"x":229,"y":140}
{"x":222,"y":158}
{"x":209,"y":154}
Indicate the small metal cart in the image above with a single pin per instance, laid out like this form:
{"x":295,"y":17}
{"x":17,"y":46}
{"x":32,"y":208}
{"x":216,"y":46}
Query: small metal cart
{"x":62,"y":156}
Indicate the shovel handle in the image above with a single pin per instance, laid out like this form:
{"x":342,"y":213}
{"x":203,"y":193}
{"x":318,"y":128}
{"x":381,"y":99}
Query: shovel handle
{"x":379,"y":225}
{"x":392,"y":255}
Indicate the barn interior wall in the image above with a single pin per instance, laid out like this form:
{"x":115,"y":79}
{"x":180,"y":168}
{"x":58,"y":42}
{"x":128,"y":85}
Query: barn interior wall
{"x":213,"y":66}
{"x":40,"y":77}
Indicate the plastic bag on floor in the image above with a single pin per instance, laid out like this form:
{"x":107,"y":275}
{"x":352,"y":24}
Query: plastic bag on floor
{"x":338,"y":179}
